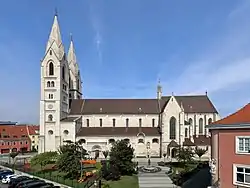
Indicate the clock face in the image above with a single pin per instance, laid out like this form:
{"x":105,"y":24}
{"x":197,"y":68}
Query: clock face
{"x":50,"y":106}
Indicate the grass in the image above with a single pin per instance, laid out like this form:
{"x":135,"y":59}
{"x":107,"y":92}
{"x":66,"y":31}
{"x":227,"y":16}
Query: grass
{"x":124,"y":182}
{"x":55,"y":175}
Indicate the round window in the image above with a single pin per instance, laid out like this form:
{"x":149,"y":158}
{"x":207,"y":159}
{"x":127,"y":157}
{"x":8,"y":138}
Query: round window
{"x":50,"y":132}
{"x":66,"y":132}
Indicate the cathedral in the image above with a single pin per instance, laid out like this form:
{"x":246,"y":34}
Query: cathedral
{"x":154,"y":127}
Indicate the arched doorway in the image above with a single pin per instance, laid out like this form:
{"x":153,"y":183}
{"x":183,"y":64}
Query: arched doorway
{"x":173,"y":153}
{"x":96,"y":150}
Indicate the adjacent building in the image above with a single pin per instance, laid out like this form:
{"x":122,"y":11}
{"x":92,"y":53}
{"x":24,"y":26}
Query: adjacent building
{"x":230,"y":139}
{"x":33,"y":133}
{"x":152,"y":126}
{"x":13,"y":139}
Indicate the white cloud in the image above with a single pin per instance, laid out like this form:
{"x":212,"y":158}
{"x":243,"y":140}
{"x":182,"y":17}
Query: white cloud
{"x":226,"y":64}
{"x":95,"y":20}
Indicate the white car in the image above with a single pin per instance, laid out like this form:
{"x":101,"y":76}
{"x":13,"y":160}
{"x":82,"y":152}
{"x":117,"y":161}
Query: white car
{"x":7,"y":178}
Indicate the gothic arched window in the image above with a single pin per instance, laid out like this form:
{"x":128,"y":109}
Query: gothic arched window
{"x":186,"y":132}
{"x":48,"y":84}
{"x":63,"y":72}
{"x":52,"y":84}
{"x":200,"y":126}
{"x":210,"y":121}
{"x":51,"y":69}
{"x":172,"y":128}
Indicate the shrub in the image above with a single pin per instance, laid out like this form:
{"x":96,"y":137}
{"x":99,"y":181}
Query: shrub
{"x":110,"y":172}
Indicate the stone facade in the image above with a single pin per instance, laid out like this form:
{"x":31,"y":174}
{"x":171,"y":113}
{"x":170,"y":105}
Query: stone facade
{"x":162,"y":123}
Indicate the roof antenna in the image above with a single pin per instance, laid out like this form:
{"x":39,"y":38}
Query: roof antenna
{"x":206,"y":93}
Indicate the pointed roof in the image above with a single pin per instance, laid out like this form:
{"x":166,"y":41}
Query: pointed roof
{"x":242,"y":116}
{"x":72,"y":57}
{"x":55,"y":35}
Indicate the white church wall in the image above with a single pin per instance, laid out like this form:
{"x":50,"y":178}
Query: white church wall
{"x":120,"y":120}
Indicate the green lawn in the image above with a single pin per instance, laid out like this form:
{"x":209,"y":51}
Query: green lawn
{"x":124,"y":182}
{"x":57,"y":176}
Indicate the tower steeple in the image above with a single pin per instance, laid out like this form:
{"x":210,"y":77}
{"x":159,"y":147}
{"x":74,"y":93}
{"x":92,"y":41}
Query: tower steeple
{"x":55,"y":39}
{"x":72,"y":57}
{"x":75,"y":77}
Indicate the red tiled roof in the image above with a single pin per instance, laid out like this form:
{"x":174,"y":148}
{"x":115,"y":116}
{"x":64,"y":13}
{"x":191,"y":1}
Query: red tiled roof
{"x":33,"y":129}
{"x":242,"y":116}
{"x":8,"y":132}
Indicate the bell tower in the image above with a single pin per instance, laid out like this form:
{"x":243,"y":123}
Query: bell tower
{"x":54,"y":91}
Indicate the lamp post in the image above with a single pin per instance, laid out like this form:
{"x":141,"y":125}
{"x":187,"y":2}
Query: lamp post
{"x":148,"y":153}
{"x":81,"y":162}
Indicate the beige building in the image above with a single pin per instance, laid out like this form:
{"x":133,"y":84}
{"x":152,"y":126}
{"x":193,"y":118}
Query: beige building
{"x":161,"y":124}
{"x":33,"y":132}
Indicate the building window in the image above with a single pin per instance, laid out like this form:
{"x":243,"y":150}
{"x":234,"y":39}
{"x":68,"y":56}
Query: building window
{"x":63,"y":72}
{"x":242,"y":175}
{"x":201,"y":126}
{"x":50,"y":132}
{"x":48,"y":84}
{"x":87,"y":121}
{"x":50,"y":117}
{"x":155,"y":140}
{"x":242,"y":144}
{"x":14,"y":143}
{"x":140,"y":122}
{"x":100,"y":122}
{"x":26,"y":142}
{"x":82,"y":141}
{"x":50,"y":52}
{"x":65,"y":132}
{"x":52,"y":84}
{"x":64,"y":99}
{"x":172,"y":128}
{"x":186,"y":132}
{"x":51,"y":69}
{"x":153,"y":122}
{"x":210,"y":121}
{"x":140,"y":141}
{"x":127,"y":122}
{"x":127,"y":140}
{"x":21,"y":143}
{"x":51,"y":96}
{"x":113,"y":122}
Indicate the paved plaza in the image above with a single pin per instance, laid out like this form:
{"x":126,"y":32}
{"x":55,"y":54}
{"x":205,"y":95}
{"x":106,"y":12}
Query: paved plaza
{"x":156,"y":180}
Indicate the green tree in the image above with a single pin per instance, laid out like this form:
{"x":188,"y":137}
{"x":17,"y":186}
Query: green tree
{"x":105,"y":153}
{"x":69,"y":160}
{"x":200,"y":151}
{"x":121,"y":155}
{"x":185,"y":155}
{"x":43,"y":159}
{"x":13,"y":155}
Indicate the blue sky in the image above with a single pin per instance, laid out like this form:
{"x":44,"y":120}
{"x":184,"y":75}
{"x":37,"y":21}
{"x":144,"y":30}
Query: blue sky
{"x":124,"y":47}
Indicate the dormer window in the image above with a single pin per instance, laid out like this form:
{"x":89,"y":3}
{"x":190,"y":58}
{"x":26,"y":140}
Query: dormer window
{"x":139,"y":109}
{"x":100,"y":109}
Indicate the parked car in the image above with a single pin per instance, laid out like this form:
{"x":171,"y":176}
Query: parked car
{"x":34,"y":184}
{"x":4,"y":174}
{"x":24,"y":183}
{"x":14,"y":182}
{"x":7,"y":178}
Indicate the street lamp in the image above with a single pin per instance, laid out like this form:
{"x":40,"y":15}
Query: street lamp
{"x":148,"y":153}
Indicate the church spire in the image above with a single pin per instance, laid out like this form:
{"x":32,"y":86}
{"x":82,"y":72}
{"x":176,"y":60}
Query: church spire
{"x":55,"y":38}
{"x":72,"y":57}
